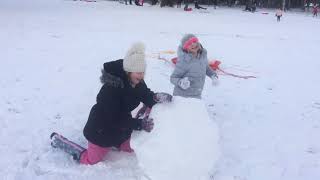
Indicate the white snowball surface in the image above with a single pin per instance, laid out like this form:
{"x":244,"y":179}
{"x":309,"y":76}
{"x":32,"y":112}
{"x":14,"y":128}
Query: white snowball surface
{"x":183,"y":143}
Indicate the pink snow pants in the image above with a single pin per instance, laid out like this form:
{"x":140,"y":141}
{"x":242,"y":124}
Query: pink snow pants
{"x":95,"y":153}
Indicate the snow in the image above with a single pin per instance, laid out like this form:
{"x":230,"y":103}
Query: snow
{"x":187,"y":137}
{"x":51,"y":53}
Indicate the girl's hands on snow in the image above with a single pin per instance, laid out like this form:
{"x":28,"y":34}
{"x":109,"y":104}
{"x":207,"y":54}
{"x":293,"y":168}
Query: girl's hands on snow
{"x":184,"y":83}
{"x":162,"y":97}
{"x":215,"y":80}
{"x":147,"y":124}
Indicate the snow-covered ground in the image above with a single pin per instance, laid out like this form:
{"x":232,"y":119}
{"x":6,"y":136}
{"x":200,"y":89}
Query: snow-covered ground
{"x":51,"y":53}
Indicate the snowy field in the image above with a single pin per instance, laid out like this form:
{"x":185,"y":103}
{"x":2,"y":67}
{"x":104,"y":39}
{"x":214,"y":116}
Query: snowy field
{"x":51,"y":53}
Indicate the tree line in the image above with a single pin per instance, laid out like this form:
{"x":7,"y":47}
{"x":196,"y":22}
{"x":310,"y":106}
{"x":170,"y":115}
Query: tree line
{"x":283,"y":4}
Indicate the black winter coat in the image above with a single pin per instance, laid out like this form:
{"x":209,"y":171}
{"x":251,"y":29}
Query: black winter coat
{"x":110,"y":122}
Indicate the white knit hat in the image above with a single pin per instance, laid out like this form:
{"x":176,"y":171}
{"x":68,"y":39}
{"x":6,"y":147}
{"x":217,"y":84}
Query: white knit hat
{"x":134,"y":61}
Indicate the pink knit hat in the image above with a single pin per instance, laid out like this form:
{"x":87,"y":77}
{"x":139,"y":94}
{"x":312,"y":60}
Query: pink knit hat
{"x":190,"y":41}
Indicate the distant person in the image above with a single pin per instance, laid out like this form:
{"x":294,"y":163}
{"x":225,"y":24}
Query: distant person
{"x":254,"y":6}
{"x":154,"y":2}
{"x":179,"y":2}
{"x":248,"y":7}
{"x":315,"y":11}
{"x":141,"y":2}
{"x":136,"y":2}
{"x":126,"y":2}
{"x":197,"y":6}
{"x":186,"y":6}
{"x":215,"y":3}
{"x":279,"y":14}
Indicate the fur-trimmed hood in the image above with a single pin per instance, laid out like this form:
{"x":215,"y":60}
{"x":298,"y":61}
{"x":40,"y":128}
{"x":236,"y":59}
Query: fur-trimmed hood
{"x":113,"y":74}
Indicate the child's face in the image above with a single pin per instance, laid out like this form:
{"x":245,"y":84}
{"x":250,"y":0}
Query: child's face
{"x":194,"y":48}
{"x":136,"y":77}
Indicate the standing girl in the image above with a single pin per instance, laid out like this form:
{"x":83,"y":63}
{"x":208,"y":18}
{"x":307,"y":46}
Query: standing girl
{"x":192,"y":67}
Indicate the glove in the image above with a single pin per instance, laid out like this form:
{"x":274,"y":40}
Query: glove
{"x":147,"y":124}
{"x":162,"y":97}
{"x":184,"y":83}
{"x":215,"y":80}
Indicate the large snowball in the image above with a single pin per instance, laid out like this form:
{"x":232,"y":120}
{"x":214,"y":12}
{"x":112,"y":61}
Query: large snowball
{"x":183,"y":144}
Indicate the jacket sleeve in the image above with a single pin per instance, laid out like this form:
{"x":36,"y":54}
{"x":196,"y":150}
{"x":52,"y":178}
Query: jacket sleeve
{"x":180,"y":69}
{"x":112,"y":116}
{"x":147,"y":96}
{"x":209,"y":71}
